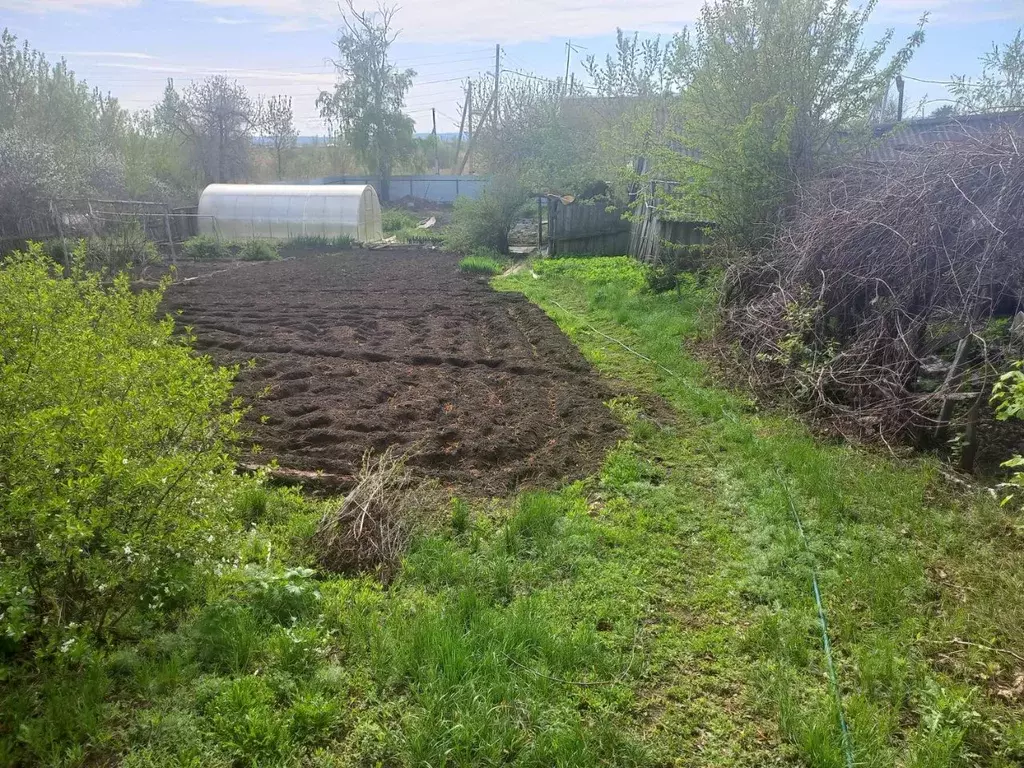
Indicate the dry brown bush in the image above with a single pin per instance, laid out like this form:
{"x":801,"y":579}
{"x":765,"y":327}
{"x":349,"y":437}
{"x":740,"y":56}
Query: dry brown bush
{"x":370,"y":530}
{"x":871,"y":309}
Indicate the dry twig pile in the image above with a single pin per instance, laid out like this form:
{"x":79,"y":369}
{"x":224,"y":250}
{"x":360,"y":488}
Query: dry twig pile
{"x":370,"y":530}
{"x":874,"y":307}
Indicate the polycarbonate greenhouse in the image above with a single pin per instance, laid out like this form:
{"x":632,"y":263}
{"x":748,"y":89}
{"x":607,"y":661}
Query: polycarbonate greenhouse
{"x":285,"y":211}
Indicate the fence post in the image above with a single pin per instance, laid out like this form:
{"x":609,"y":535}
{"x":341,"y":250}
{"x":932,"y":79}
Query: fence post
{"x":60,"y":232}
{"x":170,"y":234}
{"x":540,"y":224}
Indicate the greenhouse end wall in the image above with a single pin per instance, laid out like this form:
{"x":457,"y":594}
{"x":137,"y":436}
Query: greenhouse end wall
{"x":285,"y":211}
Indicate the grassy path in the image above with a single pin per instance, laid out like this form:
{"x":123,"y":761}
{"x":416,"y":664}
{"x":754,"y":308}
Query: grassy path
{"x":921,"y":584}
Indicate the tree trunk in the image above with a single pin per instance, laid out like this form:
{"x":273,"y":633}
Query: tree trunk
{"x":385,"y":183}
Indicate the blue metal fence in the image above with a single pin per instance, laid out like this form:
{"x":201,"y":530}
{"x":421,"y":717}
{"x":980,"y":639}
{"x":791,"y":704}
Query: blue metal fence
{"x":437,"y":189}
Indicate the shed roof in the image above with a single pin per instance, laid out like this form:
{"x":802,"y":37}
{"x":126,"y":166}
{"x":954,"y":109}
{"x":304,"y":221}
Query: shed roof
{"x":912,"y":138}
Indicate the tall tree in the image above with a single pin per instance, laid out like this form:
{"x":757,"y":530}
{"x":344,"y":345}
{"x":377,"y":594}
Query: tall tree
{"x":367,"y":102}
{"x":777,"y":90}
{"x":1001,"y":85}
{"x":58,"y":137}
{"x":277,"y":125}
{"x":216,"y":119}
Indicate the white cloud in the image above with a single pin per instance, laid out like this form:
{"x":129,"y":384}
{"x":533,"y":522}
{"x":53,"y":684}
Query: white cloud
{"x":265,"y":77}
{"x":487,"y":20}
{"x":526,"y":20}
{"x":46,"y":6}
{"x":109,"y":54}
{"x":950,"y":11}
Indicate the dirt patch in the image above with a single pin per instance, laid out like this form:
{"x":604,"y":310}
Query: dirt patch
{"x":396,"y":348}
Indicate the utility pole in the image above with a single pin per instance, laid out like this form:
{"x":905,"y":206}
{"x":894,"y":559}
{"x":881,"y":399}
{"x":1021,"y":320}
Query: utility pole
{"x":899,"y":106}
{"x":483,"y":119}
{"x":437,"y":156}
{"x":462,"y":126}
{"x":568,"y":53}
{"x":469,"y":120}
{"x":570,"y":49}
{"x":497,"y":85}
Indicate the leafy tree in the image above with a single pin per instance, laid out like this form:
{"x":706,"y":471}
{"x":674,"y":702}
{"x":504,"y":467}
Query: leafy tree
{"x":216,"y":120}
{"x":115,"y":476}
{"x":548,"y":136}
{"x":58,"y":137}
{"x":776,"y":90}
{"x":277,"y":124}
{"x":158,"y":165}
{"x":366,"y":105}
{"x":639,"y":68}
{"x":1001,"y":85}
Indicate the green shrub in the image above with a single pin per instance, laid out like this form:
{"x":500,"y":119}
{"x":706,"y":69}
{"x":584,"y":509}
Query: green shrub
{"x":394,"y":219}
{"x":338,"y":242}
{"x":258,"y":250}
{"x":205,"y":248}
{"x":483,"y":265}
{"x":678,"y":264}
{"x":486,"y":221}
{"x":59,"y":250}
{"x":125,"y":248}
{"x":114,"y":455}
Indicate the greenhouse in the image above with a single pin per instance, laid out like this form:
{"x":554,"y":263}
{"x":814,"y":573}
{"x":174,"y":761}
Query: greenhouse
{"x":286,"y":211}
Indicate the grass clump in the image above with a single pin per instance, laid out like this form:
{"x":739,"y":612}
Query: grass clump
{"x":481,"y":265}
{"x":415,"y":236}
{"x":258,"y":250}
{"x":396,"y":219}
{"x":322,"y":242}
{"x":205,"y":248}
{"x":125,"y":248}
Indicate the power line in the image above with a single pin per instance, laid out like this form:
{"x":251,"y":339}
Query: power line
{"x":944,"y":82}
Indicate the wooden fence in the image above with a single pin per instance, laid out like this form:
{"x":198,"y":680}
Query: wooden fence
{"x":595,"y":228}
{"x":586,"y":227}
{"x":72,"y":219}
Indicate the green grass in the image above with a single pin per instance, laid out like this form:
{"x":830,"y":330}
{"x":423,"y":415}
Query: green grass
{"x":415,"y":236}
{"x":337,"y":243}
{"x":657,"y":614}
{"x":395,"y":219}
{"x":514,"y":635}
{"x":257,"y":250}
{"x":481,"y":265}
{"x":910,"y":566}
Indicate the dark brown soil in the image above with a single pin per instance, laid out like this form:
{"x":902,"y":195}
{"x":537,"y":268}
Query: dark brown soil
{"x":363,"y":350}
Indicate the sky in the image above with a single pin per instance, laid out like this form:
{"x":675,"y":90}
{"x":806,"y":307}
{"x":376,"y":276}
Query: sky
{"x":131,"y":47}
